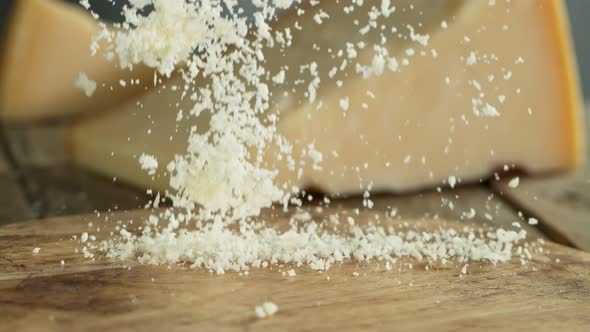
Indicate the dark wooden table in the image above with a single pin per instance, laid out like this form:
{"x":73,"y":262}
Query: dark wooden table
{"x":39,"y":293}
{"x":38,"y":182}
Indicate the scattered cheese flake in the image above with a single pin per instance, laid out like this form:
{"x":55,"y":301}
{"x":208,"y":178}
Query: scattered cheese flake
{"x":279,"y":78}
{"x":344,"y":103}
{"x":217,"y":248}
{"x":452,"y":181}
{"x":149,"y":163}
{"x":283,"y":4}
{"x":514,"y":182}
{"x":471,"y":59}
{"x":265,"y":310}
{"x":85,"y":84}
{"x":464,"y":269}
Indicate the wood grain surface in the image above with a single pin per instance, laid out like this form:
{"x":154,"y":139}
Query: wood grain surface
{"x":450,"y":204}
{"x":37,"y":293}
{"x":560,"y":202}
{"x":4,"y":147}
{"x":13,"y":202}
{"x":3,"y":163}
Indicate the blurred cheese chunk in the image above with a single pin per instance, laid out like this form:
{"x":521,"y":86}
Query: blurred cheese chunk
{"x":45,"y":48}
{"x":495,"y":86}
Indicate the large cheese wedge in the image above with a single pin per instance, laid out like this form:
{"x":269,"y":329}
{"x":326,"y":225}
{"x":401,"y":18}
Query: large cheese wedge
{"x":403,"y":130}
{"x":45,"y":47}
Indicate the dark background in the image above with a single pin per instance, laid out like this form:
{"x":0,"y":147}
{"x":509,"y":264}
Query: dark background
{"x":579,"y":17}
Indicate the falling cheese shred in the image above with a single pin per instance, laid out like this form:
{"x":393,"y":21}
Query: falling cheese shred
{"x":85,"y":84}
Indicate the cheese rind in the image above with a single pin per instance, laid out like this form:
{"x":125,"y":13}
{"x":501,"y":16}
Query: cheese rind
{"x":574,"y":106}
{"x":47,"y":45}
{"x":418,"y":131}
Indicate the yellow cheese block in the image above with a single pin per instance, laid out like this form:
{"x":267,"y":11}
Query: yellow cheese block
{"x":46,"y":46}
{"x":402,"y":130}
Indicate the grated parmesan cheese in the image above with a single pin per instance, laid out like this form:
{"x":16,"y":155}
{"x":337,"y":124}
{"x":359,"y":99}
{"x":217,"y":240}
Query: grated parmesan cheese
{"x":452,"y":181}
{"x":265,"y":310}
{"x":85,"y":84}
{"x":220,"y":182}
{"x":514,"y":182}
{"x":149,"y":163}
{"x":219,"y":248}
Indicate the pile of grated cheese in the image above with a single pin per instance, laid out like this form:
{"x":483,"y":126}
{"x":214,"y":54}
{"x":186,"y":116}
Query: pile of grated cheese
{"x":309,"y":244}
{"x":219,"y":185}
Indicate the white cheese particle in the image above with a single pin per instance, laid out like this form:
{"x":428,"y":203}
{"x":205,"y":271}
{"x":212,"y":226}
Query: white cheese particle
{"x":471,"y":59}
{"x":265,"y":310}
{"x":149,"y":163}
{"x":85,"y":84}
{"x":464,"y":269}
{"x":452,"y":181}
{"x":513,"y":183}
{"x":279,"y":78}
{"x":283,"y":4}
{"x":344,"y":103}
{"x":85,"y":4}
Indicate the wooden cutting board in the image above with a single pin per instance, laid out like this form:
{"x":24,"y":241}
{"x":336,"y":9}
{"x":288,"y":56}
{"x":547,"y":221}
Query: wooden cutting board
{"x":38,"y":293}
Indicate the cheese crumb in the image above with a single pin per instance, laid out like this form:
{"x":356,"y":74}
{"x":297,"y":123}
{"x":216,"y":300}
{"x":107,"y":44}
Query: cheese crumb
{"x":344,"y":103}
{"x":464,"y":269}
{"x":452,"y":181}
{"x":85,"y":84}
{"x":218,"y":248}
{"x":149,"y":163}
{"x":471,"y":59}
{"x":265,"y":310}
{"x":514,"y":182}
{"x":283,"y":4}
